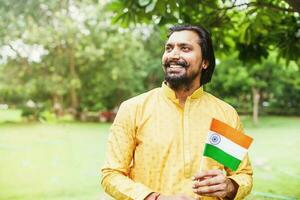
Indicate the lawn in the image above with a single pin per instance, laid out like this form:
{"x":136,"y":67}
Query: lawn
{"x":275,"y":157}
{"x":51,"y":162}
{"x":62,"y":161}
{"x":10,"y":115}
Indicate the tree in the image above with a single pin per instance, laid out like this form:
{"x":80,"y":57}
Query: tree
{"x":88,"y":64}
{"x":278,"y":85}
{"x":253,"y":29}
{"x":85,"y":63}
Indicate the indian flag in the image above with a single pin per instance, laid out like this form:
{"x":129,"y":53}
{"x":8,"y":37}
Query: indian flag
{"x":226,"y":145}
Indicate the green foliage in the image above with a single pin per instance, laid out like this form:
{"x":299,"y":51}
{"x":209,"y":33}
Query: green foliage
{"x":278,"y":85}
{"x":255,"y":26}
{"x":47,"y":116}
{"x":232,"y":82}
{"x":285,"y":97}
{"x":250,"y":31}
{"x":90,"y":65}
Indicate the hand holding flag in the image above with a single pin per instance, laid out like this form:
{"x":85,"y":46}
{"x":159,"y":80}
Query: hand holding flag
{"x":228,"y":146}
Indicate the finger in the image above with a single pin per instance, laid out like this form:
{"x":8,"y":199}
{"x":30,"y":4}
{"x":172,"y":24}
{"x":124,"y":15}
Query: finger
{"x":210,"y":181}
{"x":213,"y":172}
{"x":195,"y":181}
{"x":210,"y":189}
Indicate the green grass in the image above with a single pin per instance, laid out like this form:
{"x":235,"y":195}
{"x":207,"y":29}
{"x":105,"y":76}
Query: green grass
{"x":57,"y":162}
{"x":62,"y":161}
{"x":275,"y":157}
{"x":10,"y":115}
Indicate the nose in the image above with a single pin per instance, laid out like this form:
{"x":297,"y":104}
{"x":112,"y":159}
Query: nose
{"x":174,"y":54}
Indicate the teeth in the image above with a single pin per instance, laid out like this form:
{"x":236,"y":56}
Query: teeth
{"x":175,"y":66}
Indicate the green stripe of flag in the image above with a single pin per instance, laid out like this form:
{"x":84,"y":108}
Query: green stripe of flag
{"x":221,"y":156}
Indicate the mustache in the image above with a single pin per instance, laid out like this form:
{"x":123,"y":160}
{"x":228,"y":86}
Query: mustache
{"x":181,"y":63}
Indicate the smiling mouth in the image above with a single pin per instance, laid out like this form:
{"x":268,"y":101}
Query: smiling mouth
{"x":175,"y":69}
{"x":175,"y":66}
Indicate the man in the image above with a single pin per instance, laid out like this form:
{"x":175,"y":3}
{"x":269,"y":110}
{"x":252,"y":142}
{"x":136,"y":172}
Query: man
{"x":157,"y":139}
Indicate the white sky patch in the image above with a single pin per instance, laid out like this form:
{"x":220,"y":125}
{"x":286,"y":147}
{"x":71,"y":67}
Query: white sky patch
{"x":239,"y":2}
{"x":5,"y":53}
{"x":143,"y":30}
{"x":33,"y":53}
{"x":139,"y":30}
{"x":75,"y":13}
{"x":79,"y":16}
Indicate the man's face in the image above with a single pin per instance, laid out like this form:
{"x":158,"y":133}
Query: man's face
{"x":182,"y":59}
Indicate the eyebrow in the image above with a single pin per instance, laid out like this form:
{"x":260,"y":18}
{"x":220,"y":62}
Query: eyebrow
{"x":179,"y":44}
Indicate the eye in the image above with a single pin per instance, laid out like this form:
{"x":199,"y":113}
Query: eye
{"x":168,"y":48}
{"x":185,"y":49}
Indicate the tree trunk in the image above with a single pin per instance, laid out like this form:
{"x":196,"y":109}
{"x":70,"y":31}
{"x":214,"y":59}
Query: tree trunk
{"x":57,"y":106}
{"x":73,"y":76}
{"x":256,"y":99}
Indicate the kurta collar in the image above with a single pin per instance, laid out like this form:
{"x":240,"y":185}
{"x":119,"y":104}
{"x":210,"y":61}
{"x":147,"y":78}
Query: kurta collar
{"x":171,"y":93}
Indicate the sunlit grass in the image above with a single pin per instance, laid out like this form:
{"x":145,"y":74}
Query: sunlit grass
{"x":62,"y":161}
{"x":10,"y":115}
{"x":274,"y":156}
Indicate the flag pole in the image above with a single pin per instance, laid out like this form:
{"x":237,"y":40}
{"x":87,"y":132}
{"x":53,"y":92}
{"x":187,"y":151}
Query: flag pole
{"x":202,"y":159}
{"x":201,"y":163}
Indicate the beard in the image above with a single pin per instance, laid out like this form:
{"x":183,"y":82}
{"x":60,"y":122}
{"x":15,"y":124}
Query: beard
{"x":179,"y":81}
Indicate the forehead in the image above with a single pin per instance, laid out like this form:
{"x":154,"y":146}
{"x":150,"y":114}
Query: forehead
{"x":189,"y":37}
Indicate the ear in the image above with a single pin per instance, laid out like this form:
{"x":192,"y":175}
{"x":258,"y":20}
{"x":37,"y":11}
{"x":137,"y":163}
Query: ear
{"x":204,"y":64}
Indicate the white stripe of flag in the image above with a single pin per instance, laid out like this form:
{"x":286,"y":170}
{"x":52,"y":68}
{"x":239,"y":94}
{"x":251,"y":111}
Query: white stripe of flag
{"x":227,"y":146}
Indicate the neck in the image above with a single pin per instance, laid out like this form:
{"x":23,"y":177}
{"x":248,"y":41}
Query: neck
{"x":184,"y":91}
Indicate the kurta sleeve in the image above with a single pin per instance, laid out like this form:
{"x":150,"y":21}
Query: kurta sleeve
{"x":243,"y":175}
{"x":119,"y":157}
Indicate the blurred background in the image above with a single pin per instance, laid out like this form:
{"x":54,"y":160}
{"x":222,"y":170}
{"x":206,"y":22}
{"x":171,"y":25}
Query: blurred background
{"x":66,"y":65}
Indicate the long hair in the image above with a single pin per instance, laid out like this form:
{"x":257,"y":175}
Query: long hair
{"x":206,"y":46}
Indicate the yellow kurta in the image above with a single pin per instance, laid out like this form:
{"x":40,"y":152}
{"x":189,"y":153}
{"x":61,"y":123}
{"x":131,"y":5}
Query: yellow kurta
{"x":155,"y":145}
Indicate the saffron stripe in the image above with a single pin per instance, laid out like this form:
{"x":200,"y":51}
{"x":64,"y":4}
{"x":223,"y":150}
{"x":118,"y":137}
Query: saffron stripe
{"x":231,"y":133}
{"x":221,"y":156}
